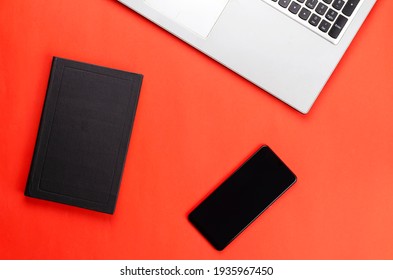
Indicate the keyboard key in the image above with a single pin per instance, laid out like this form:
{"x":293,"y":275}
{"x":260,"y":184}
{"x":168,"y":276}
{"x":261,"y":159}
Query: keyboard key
{"x":314,"y":20}
{"x":328,"y":18}
{"x":311,"y":3}
{"x":350,"y":7}
{"x":338,"y":4}
{"x":324,"y":26}
{"x":321,"y":9}
{"x":284,"y":3}
{"x":304,"y":14}
{"x":331,"y":15}
{"x":294,"y":7}
{"x":338,"y":26}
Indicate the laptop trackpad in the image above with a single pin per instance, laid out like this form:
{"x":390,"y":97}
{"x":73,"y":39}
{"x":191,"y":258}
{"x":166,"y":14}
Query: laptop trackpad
{"x":197,"y":15}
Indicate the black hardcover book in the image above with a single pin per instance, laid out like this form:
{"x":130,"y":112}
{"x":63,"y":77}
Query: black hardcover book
{"x":83,"y":136}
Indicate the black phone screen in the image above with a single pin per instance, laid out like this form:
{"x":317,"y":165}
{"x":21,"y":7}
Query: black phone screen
{"x":242,"y":197}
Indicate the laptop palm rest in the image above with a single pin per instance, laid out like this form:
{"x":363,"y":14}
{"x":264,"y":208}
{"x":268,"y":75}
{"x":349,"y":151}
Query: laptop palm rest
{"x":196,"y":15}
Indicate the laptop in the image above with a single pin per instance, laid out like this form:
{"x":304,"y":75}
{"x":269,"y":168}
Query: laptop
{"x":288,"y":48}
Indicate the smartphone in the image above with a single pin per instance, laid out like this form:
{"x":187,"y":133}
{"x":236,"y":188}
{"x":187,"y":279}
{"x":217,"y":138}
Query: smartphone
{"x":242,"y":197}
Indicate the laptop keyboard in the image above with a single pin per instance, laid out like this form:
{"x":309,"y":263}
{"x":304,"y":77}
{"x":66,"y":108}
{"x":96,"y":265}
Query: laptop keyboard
{"x":327,"y":18}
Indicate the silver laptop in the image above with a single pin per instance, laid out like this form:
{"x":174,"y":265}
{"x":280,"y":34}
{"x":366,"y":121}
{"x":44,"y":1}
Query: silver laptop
{"x":288,"y":48}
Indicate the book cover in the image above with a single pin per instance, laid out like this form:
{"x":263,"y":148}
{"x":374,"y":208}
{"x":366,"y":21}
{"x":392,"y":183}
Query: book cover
{"x":83,"y":136}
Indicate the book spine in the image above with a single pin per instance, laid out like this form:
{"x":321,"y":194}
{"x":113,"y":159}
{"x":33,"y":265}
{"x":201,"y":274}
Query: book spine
{"x":30,"y":178}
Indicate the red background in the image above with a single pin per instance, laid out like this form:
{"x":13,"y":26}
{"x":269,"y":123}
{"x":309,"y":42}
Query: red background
{"x":196,"y":122}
